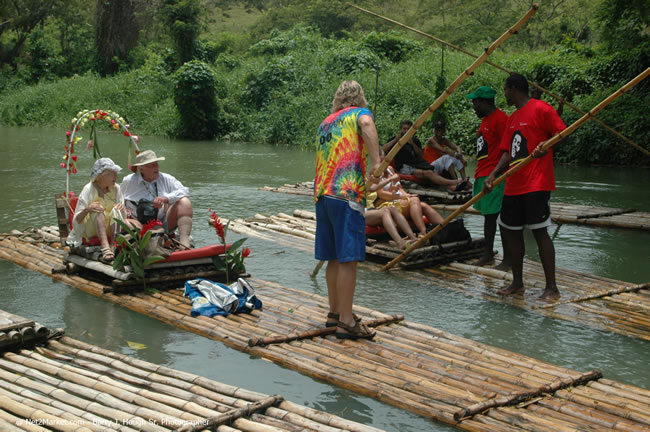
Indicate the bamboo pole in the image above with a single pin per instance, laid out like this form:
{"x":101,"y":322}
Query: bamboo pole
{"x":611,"y":292}
{"x":519,"y":397}
{"x":441,"y":99}
{"x":233,"y":415}
{"x":323,"y":331}
{"x":547,"y":145}
{"x":605,"y":214}
{"x":501,"y":68}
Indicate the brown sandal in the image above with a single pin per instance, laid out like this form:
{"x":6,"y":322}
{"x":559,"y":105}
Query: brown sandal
{"x":358,"y":331}
{"x":335,"y":317}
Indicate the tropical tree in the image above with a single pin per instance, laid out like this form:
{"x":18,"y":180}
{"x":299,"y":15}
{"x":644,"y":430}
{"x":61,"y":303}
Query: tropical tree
{"x":116,"y":33}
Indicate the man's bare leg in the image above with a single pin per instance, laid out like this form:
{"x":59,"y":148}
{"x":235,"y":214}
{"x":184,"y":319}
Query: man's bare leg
{"x":514,"y":242}
{"x":331,"y":276}
{"x":180,"y":215}
{"x":547,"y":255}
{"x":489,"y":232}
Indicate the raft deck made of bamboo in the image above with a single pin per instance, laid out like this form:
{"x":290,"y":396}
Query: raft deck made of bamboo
{"x":303,"y":224}
{"x":430,"y":195}
{"x":608,"y":304}
{"x":560,"y":213}
{"x":69,"y":385}
{"x":415,"y":367}
{"x":584,"y":215}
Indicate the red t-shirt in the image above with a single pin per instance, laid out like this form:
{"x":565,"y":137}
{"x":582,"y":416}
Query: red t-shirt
{"x":488,"y":152}
{"x":533,"y":123}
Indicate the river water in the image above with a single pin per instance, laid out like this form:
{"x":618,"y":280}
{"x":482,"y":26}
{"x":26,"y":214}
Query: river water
{"x":225,"y":177}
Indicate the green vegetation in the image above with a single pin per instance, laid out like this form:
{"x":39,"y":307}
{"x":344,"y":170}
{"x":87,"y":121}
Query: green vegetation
{"x":276,"y":86}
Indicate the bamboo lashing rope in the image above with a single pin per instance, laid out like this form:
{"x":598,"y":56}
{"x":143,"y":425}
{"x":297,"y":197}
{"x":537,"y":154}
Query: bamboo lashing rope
{"x":518,"y":397}
{"x":547,"y":145}
{"x":501,"y":68}
{"x":441,"y":99}
{"x":322,"y":331}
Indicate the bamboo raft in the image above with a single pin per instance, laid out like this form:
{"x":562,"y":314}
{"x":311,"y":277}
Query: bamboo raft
{"x":430,"y":195}
{"x":584,"y":215}
{"x":608,"y":304}
{"x":68,"y":385}
{"x":560,"y":213}
{"x":415,"y":367}
{"x":302,"y":224}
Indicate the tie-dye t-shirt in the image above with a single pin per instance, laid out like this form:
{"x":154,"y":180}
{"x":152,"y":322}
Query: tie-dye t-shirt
{"x":341,"y":156}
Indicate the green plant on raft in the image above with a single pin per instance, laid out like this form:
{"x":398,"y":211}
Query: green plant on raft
{"x":131,"y":249}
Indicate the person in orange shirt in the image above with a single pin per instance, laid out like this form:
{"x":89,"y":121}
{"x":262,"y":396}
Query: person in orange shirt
{"x":445,"y":157}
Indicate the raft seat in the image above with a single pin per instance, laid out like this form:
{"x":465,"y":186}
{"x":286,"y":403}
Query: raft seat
{"x":191,"y":254}
{"x":93,"y":241}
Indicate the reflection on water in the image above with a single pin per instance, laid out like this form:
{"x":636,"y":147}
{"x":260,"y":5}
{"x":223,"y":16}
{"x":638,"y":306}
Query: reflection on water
{"x":225,"y":177}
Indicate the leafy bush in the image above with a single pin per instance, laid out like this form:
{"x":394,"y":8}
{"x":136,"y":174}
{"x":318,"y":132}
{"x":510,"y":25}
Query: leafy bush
{"x":195,"y":93}
{"x":391,"y":46}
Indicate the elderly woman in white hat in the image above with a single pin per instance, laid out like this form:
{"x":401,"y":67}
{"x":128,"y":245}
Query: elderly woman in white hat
{"x":167,"y":194}
{"x":100,"y":201}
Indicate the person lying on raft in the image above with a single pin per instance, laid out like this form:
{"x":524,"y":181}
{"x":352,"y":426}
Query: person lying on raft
{"x":409,"y":160}
{"x":389,"y":217}
{"x":393,"y":194}
{"x":100,"y":203}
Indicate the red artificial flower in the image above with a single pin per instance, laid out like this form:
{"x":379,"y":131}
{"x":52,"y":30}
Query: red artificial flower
{"x":150,"y":225}
{"x":218,"y":226}
{"x":245,"y":252}
{"x":68,"y":133}
{"x":127,"y":133}
{"x":74,"y":158}
{"x":62,"y":164}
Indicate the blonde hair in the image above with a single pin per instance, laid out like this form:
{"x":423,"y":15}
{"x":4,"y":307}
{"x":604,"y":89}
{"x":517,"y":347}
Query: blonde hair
{"x":348,"y":94}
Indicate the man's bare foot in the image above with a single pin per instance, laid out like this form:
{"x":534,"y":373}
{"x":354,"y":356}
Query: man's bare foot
{"x":550,"y":294}
{"x":512,"y":289}
{"x":503,"y":266}
{"x":485,"y":260}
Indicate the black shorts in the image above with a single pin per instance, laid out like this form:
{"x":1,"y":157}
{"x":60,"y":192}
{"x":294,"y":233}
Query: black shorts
{"x":531,"y":210}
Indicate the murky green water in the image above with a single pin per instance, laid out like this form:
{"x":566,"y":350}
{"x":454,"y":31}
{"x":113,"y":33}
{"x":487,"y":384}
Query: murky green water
{"x":225,"y":177}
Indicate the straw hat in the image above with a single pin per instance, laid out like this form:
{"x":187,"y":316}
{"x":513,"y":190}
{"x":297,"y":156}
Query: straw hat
{"x":147,"y":157}
{"x":101,"y":165}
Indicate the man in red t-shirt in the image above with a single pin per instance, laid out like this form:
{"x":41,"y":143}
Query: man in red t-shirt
{"x":528,"y":191}
{"x":488,"y":154}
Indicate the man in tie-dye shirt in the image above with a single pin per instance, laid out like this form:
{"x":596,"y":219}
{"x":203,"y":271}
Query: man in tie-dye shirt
{"x":345,"y":139}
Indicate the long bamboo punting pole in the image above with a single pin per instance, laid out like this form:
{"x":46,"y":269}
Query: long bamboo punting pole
{"x":441,"y":99}
{"x":323,"y":331}
{"x":525,"y":395}
{"x":501,"y":68}
{"x":547,"y":145}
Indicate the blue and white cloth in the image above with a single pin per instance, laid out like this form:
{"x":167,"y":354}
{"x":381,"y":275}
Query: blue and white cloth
{"x":214,"y":298}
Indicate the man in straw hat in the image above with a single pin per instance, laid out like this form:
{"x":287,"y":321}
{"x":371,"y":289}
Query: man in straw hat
{"x":528,"y":191}
{"x":168,"y":195}
{"x":488,"y":154}
{"x":344,"y":140}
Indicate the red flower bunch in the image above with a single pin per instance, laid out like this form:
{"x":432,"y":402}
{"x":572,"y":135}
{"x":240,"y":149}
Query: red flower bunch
{"x":245,"y":252}
{"x":150,"y":225}
{"x":218,"y":226}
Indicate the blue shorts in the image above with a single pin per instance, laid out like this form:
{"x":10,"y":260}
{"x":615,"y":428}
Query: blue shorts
{"x":340,"y":231}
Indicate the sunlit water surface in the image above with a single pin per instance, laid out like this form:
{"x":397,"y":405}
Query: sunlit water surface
{"x":225,"y":177}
